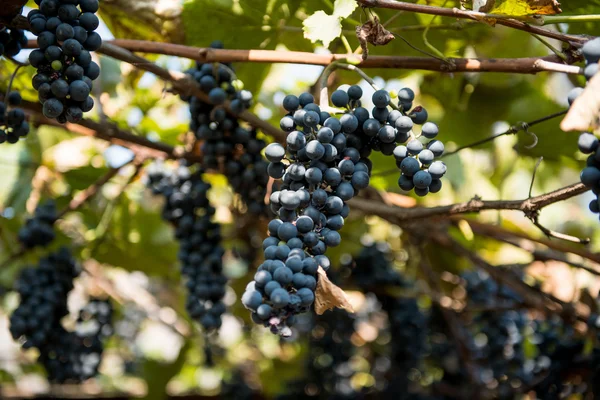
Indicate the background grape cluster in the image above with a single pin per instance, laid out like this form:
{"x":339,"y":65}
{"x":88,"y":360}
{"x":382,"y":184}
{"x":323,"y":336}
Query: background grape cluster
{"x":67,"y":356}
{"x":11,"y":41}
{"x":187,"y":207}
{"x":13,"y":125}
{"x":225,"y":144}
{"x":66,"y":37}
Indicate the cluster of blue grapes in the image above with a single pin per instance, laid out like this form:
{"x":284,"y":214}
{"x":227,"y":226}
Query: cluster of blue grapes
{"x":372,"y":270}
{"x":43,"y":291}
{"x":187,"y":207}
{"x":390,"y":129}
{"x":38,"y":230}
{"x":227,"y":146}
{"x":502,"y":354}
{"x":12,"y":119}
{"x":71,"y":357}
{"x":66,"y":36}
{"x":66,"y":356}
{"x":11,"y":41}
{"x":588,"y":142}
{"x":320,"y":171}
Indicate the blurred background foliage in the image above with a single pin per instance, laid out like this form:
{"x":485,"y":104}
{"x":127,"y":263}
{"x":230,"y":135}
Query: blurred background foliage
{"x":129,"y":253}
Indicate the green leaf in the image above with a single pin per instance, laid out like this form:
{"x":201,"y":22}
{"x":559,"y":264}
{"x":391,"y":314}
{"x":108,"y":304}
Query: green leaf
{"x":322,"y":27}
{"x":344,"y":8}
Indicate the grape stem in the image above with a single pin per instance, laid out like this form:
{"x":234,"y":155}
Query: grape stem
{"x":340,"y":64}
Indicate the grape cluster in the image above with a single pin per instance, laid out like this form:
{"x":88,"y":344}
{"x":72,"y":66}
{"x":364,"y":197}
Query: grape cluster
{"x":373,"y":270}
{"x":12,"y":119}
{"x":75,"y":356}
{"x":588,"y":142}
{"x":66,"y":37}
{"x":320,"y":173}
{"x":43,"y":291}
{"x":11,"y":41}
{"x":329,"y":369}
{"x":390,"y":129}
{"x":200,"y":253}
{"x":372,"y":267}
{"x":226,"y":146}
{"x":38,"y":230}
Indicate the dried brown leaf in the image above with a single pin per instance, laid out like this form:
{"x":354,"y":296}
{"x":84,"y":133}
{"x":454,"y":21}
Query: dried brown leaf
{"x":585,"y":110}
{"x":374,"y":33}
{"x":329,"y":296}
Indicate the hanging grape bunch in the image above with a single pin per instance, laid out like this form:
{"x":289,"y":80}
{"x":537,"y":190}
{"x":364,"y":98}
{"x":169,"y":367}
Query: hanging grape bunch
{"x":66,"y":37}
{"x":11,"y":41}
{"x":226,"y":145}
{"x":588,"y":142}
{"x":38,"y":230}
{"x":12,"y":119}
{"x":390,"y":130}
{"x":320,"y":171}
{"x":188,"y":209}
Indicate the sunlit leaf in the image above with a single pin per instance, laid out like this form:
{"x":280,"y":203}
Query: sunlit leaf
{"x":322,"y":27}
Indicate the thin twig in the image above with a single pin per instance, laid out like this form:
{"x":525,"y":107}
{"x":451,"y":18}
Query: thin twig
{"x":472,"y":15}
{"x":499,"y":233}
{"x":537,"y":164}
{"x":522,"y":126}
{"x":82,"y":197}
{"x":558,"y":235}
{"x":399,"y":214}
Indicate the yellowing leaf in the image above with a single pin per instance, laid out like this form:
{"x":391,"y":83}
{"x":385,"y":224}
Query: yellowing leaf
{"x":329,"y":296}
{"x":343,"y":8}
{"x":322,"y":27}
{"x":517,"y":8}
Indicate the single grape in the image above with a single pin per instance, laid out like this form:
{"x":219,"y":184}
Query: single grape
{"x":429,"y":130}
{"x":405,"y":183}
{"x":291,"y":102}
{"x":381,"y":98}
{"x":437,"y":147}
{"x":414,"y":147}
{"x":422,"y":179}
{"x":437,"y":169}
{"x":355,"y":92}
{"x":591,"y":51}
{"x":340,"y":98}
{"x":406,"y":95}
{"x":275,"y":152}
{"x":410,"y":166}
{"x":587,"y":143}
{"x":418,"y":115}
{"x":590,"y":176}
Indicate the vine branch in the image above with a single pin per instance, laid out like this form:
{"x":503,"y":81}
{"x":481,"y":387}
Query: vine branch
{"x":527,"y":65}
{"x":472,"y":15}
{"x":530,"y":205}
